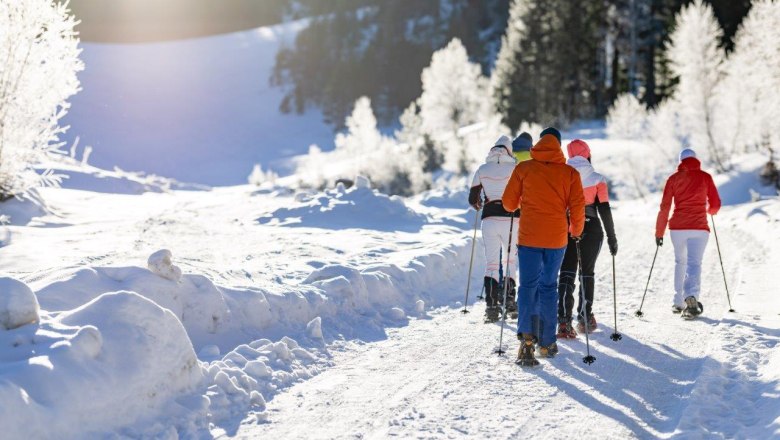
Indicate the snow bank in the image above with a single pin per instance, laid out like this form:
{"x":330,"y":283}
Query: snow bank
{"x":357,"y":207}
{"x":108,"y":366}
{"x":18,"y":212}
{"x":742,"y":184}
{"x":18,"y":305}
{"x":252,"y":373}
{"x":195,"y":300}
{"x":445,"y":198}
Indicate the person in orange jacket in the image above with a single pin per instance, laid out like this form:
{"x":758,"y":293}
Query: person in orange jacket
{"x":549,"y":195}
{"x":694,"y":195}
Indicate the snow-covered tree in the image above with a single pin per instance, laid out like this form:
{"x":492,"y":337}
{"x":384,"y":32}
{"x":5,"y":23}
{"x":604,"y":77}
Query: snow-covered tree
{"x":627,"y":118}
{"x":421,"y":143}
{"x":362,"y":150}
{"x":40,"y":59}
{"x":259,"y":177}
{"x":362,"y":136}
{"x":455,"y":93}
{"x":697,"y":61}
{"x":749,"y":110}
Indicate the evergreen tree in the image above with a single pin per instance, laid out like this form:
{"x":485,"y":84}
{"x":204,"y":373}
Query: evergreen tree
{"x":548,"y":69}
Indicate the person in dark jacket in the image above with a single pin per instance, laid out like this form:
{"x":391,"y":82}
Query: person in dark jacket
{"x":597,"y":210}
{"x":694,"y":195}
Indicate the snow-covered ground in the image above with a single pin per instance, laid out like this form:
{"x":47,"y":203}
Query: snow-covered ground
{"x":199,"y":110}
{"x":336,"y":314}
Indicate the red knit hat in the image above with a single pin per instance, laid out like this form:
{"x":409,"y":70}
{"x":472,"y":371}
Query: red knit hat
{"x":578,"y":147}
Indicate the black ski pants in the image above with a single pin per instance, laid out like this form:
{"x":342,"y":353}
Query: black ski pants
{"x":590,"y":246}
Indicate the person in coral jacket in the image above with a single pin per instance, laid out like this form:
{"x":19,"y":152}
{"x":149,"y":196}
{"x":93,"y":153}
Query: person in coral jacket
{"x":694,"y":195}
{"x":549,"y":195}
{"x":597,"y":211}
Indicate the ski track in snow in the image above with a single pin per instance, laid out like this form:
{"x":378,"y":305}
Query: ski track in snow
{"x":667,"y":377}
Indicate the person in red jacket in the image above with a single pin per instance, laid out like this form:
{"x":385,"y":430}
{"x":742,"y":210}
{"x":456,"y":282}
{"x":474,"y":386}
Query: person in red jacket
{"x":694,"y":195}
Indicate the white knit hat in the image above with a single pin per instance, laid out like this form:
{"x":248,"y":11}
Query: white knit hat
{"x":686,"y":153}
{"x":504,"y":141}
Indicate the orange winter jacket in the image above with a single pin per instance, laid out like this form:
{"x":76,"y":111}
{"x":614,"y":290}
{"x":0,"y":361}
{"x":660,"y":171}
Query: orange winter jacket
{"x":546,"y":190}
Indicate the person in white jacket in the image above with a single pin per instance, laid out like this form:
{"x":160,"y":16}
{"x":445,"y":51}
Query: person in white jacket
{"x":487,"y":187}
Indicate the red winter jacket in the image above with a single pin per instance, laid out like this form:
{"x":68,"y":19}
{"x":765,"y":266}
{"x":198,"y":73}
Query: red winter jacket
{"x":691,"y":189}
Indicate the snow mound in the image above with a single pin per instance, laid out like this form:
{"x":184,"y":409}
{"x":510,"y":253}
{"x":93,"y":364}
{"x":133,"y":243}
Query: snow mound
{"x":446,"y":198}
{"x":18,"y":304}
{"x":357,"y":207}
{"x":120,"y":359}
{"x":195,"y":300}
{"x":314,"y":328}
{"x":252,"y":373}
{"x":742,"y":184}
{"x":18,"y":212}
{"x":160,"y":264}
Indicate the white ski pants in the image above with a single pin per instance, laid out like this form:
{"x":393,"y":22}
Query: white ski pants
{"x":495,"y":236}
{"x":689,"y":245}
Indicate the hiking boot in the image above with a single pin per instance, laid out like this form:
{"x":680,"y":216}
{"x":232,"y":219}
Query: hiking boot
{"x":693,"y":308}
{"x":491,"y":314}
{"x":592,"y":325}
{"x":511,"y":299}
{"x":525,"y":355}
{"x":549,"y":351}
{"x":566,"y":331}
{"x":491,"y":292}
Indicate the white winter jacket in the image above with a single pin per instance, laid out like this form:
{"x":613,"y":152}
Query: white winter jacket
{"x":491,"y":178}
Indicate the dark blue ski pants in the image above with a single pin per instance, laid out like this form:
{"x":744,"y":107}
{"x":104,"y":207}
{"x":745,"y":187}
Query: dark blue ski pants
{"x":537,"y":297}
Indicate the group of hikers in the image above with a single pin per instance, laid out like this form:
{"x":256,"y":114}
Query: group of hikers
{"x":557,"y":212}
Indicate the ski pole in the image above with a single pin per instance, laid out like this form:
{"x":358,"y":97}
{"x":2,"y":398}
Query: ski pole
{"x":471,"y":263}
{"x":615,"y":336}
{"x":500,"y":351}
{"x":639,"y":312}
{"x":717,"y":243}
{"x":588,"y":359}
{"x":481,"y":293}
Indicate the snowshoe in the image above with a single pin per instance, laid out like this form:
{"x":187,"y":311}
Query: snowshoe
{"x":677,"y":309}
{"x":525,"y":355}
{"x":693,"y":308}
{"x":566,"y":331}
{"x":592,"y":325}
{"x":491,"y":315}
{"x":549,"y":351}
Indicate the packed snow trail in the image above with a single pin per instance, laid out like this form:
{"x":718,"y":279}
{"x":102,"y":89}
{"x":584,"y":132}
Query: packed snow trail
{"x":440,"y":378}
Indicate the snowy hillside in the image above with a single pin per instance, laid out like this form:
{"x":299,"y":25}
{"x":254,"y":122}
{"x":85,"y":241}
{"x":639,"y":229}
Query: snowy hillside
{"x":198,"y":110}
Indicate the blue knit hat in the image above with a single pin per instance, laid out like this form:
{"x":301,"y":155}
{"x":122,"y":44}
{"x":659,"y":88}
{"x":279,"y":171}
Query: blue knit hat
{"x":523,"y":142}
{"x":551,"y":130}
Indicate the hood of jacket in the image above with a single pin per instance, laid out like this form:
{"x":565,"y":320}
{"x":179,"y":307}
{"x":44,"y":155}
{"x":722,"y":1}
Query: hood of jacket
{"x":499,"y":154}
{"x":583,"y":167}
{"x":689,"y":164}
{"x":548,"y":149}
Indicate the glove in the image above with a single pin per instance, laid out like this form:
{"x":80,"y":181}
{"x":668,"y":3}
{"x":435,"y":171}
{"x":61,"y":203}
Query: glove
{"x":477,"y":206}
{"x":613,"y":246}
{"x":659,"y":241}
